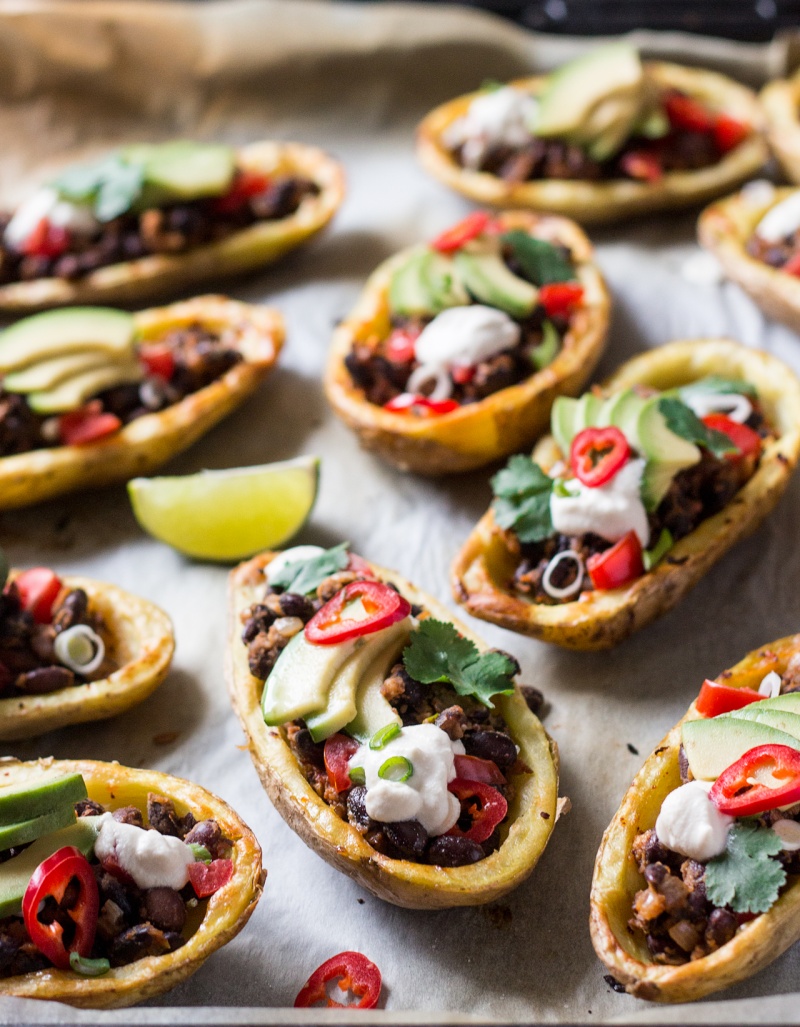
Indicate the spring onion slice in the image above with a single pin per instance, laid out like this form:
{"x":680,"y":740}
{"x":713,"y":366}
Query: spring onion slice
{"x":655,"y":555}
{"x":384,"y":735}
{"x":357,"y":775}
{"x":80,"y":649}
{"x":574,"y":586}
{"x":88,"y":967}
{"x":396,"y":768}
{"x":201,"y":853}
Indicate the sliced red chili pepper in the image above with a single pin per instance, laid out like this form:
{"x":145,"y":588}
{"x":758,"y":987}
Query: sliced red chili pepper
{"x":746,"y":440}
{"x":465,"y":231}
{"x":765,"y":778}
{"x":207,"y":878}
{"x":728,"y":132}
{"x":687,"y":114}
{"x":619,"y":565}
{"x":401,"y":345}
{"x":473,"y":768}
{"x":158,"y":359}
{"x":88,"y":424}
{"x":644,"y":165}
{"x":482,"y":803}
{"x":46,"y":240}
{"x":596,"y":454}
{"x":245,"y":185}
{"x":420,"y":406}
{"x":382,"y":604}
{"x":358,"y":974}
{"x":715,"y":698}
{"x":46,"y":888}
{"x":792,"y":265}
{"x":338,"y":750}
{"x":359,"y":565}
{"x":462,"y":374}
{"x":560,"y":298}
{"x":38,"y":589}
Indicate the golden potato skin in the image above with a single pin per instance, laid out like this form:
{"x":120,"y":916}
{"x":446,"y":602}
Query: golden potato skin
{"x":779,"y":101}
{"x":617,"y":879}
{"x":508,"y":420}
{"x":401,"y":882}
{"x":596,"y":202}
{"x":227,"y":912}
{"x":149,"y":441}
{"x":160,"y":274}
{"x":724,"y":229}
{"x":601,"y":619}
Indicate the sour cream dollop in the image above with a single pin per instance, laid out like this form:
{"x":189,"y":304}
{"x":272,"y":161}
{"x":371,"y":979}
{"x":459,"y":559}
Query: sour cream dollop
{"x":424,"y":796}
{"x":501,"y":117}
{"x":691,"y":824}
{"x":781,"y":220}
{"x":152,"y":859}
{"x":610,"y":510}
{"x":46,"y":203}
{"x":282,"y":560}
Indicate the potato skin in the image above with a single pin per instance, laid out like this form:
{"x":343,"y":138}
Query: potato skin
{"x":601,"y":619}
{"x":149,"y":441}
{"x":160,"y":274}
{"x":779,"y":102}
{"x":508,"y":420}
{"x":724,"y":229}
{"x":617,"y":879}
{"x":227,"y":912}
{"x":603,"y":202}
{"x":533,"y":811}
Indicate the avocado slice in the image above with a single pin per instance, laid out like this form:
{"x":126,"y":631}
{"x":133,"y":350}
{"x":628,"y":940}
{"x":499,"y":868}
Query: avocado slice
{"x":488,"y":278}
{"x":713,"y":745}
{"x":666,"y":453}
{"x":562,"y":422}
{"x":781,"y":720}
{"x":373,"y":711}
{"x":42,"y":795}
{"x":24,"y":831}
{"x":426,"y":284}
{"x":789,"y":702}
{"x":18,"y":870}
{"x":57,"y":332}
{"x":627,"y":411}
{"x":182,"y":170}
{"x":75,"y":390}
{"x":53,"y":371}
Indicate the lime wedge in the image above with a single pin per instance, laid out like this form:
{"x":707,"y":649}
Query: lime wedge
{"x":227,"y":515}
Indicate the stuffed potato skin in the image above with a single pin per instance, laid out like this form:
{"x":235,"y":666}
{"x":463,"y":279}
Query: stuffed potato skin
{"x":140,"y":640}
{"x":603,"y":202}
{"x":163,"y":273}
{"x":601,"y":619}
{"x":617,"y":879}
{"x":532,"y":813}
{"x":227,"y":912}
{"x":149,"y":441}
{"x":503,"y":422}
{"x":779,"y":101}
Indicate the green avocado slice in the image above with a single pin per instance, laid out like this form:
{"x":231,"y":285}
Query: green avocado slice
{"x":58,"y":332}
{"x":24,"y":831}
{"x":75,"y":390}
{"x":44,"y":794}
{"x":713,"y":745}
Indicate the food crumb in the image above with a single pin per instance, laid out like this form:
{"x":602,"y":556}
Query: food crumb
{"x":360,"y":902}
{"x":544,"y":815}
{"x":165,"y":737}
{"x":614,"y":984}
{"x":498,"y":916}
{"x":633,"y":750}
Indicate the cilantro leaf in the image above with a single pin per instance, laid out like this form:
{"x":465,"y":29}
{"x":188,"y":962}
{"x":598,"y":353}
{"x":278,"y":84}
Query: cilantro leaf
{"x":111,"y":186}
{"x":522,"y":499}
{"x":687,"y":425}
{"x":744,"y":876}
{"x":436,"y":652}
{"x":717,"y":385}
{"x":540,"y":261}
{"x":303,"y":576}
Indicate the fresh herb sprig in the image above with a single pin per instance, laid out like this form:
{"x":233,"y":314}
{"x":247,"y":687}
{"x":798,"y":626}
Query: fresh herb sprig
{"x":687,"y":425}
{"x":522,"y":499}
{"x":110,"y":186}
{"x":718,"y":386}
{"x":744,"y":876}
{"x":540,"y":261}
{"x":304,"y":576}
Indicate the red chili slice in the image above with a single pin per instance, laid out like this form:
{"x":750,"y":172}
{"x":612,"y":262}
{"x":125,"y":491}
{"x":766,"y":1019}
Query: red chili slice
{"x":46,"y":240}
{"x":687,"y":114}
{"x":715,"y":698}
{"x":245,"y":185}
{"x":359,"y":565}
{"x":619,"y":565}
{"x":728,"y":132}
{"x":644,"y":165}
{"x":338,"y":750}
{"x":560,"y":298}
{"x":50,"y":881}
{"x":207,"y":878}
{"x":38,"y":590}
{"x":765,"y":778}
{"x":462,"y":374}
{"x":473,"y":768}
{"x":420,"y":406}
{"x":401,"y":345}
{"x":358,"y":974}
{"x":484,"y":804}
{"x":792,"y":265}
{"x":596,"y":454}
{"x":747,"y":441}
{"x":90,"y":423}
{"x":465,"y":231}
{"x":158,"y":359}
{"x":382,"y":604}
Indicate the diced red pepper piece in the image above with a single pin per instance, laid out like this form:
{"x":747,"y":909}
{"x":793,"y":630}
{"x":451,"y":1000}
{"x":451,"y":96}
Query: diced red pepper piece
{"x":746,"y":440}
{"x":688,"y":114}
{"x":473,"y":768}
{"x":38,"y":589}
{"x":619,"y":565}
{"x":643,"y":165}
{"x":728,"y":132}
{"x":715,"y":698}
{"x":463,"y":373}
{"x":158,"y":359}
{"x":359,"y":975}
{"x":483,"y":804}
{"x":420,"y":406}
{"x":792,"y":265}
{"x":383,"y":606}
{"x":244,"y":186}
{"x":401,"y":345}
{"x":359,"y":565}
{"x":208,"y":878}
{"x":560,"y":298}
{"x":88,"y":424}
{"x":465,"y":231}
{"x":50,"y":880}
{"x":765,"y":778}
{"x":338,"y":750}
{"x":596,"y":454}
{"x":46,"y":240}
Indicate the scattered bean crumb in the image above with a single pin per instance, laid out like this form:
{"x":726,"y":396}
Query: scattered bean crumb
{"x":165,"y":737}
{"x":544,"y":815}
{"x":633,"y":750}
{"x":360,"y":902}
{"x":614,"y":984}
{"x":660,"y":749}
{"x":499,"y":916}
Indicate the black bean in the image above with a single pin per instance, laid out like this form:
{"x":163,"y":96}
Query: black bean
{"x":655,"y":873}
{"x":72,"y":610}
{"x":409,"y":837}
{"x":129,"y":815}
{"x":453,"y":851}
{"x":491,"y":745}
{"x":137,"y":942}
{"x":721,"y":927}
{"x":164,"y":908}
{"x":293,"y":605}
{"x":209,"y":834}
{"x":453,"y":722}
{"x":43,"y":680}
{"x":309,"y":750}
{"x":357,"y":807}
{"x":533,"y":697}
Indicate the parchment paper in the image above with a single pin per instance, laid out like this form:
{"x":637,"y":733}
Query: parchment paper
{"x":355,"y":78}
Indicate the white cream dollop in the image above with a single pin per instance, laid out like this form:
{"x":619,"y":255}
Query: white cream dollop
{"x":46,"y":203}
{"x":282,"y":560}
{"x":152,"y":859}
{"x":691,"y":824}
{"x":781,"y":220}
{"x":610,"y":510}
{"x":424,"y":796}
{"x":501,"y":117}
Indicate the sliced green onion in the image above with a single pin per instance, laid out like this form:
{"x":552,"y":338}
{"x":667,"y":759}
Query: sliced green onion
{"x":396,"y":768}
{"x":79,"y":648}
{"x":88,"y":967}
{"x":357,"y":775}
{"x":201,"y":853}
{"x":547,"y":350}
{"x":655,"y":555}
{"x":384,"y":735}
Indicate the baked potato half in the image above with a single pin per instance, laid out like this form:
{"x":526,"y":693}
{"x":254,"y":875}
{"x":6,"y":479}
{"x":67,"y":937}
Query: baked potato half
{"x":598,"y":619}
{"x":533,"y":810}
{"x":138,"y":637}
{"x":616,"y":877}
{"x":780,"y":101}
{"x":225,"y":913}
{"x":724,"y":229}
{"x":501,"y":423}
{"x":161,"y":273}
{"x":611,"y":200}
{"x":150,"y":440}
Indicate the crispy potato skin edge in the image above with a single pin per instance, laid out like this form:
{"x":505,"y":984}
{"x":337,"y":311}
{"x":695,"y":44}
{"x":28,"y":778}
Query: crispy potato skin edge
{"x":413,"y":885}
{"x":504,"y":422}
{"x":228,"y":909}
{"x":602,"y":619}
{"x":616,"y":878}
{"x":779,"y":102}
{"x":593,"y":203}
